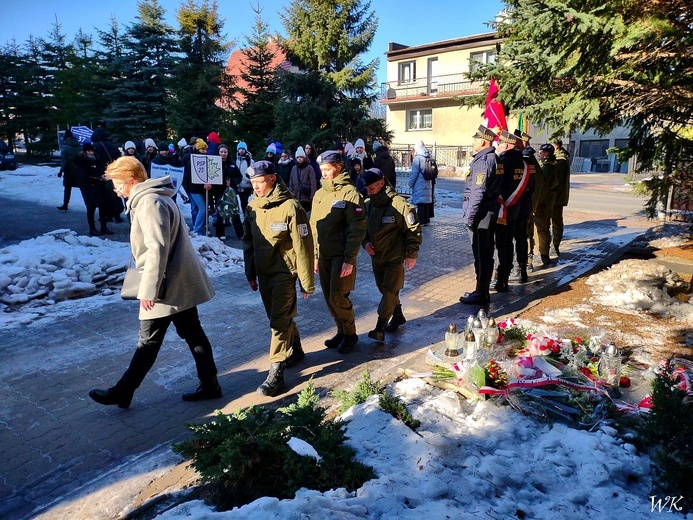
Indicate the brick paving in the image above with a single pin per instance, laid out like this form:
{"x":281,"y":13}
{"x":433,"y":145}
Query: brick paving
{"x":55,"y":440}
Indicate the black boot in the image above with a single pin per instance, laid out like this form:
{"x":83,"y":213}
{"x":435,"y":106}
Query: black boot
{"x":545,"y":261}
{"x":296,"y":355}
{"x":105,"y":230}
{"x":476,"y":298}
{"x":62,"y":208}
{"x":275,"y":380}
{"x":501,"y":283}
{"x":94,"y":233}
{"x":334,"y":341}
{"x":348,"y":343}
{"x":210,"y":389}
{"x":110,"y":396}
{"x":523,"y":274}
{"x":397,"y":320}
{"x":378,"y":333}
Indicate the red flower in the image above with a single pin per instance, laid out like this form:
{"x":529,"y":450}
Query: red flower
{"x":577,"y":340}
{"x":624,"y":382}
{"x":586,"y":372}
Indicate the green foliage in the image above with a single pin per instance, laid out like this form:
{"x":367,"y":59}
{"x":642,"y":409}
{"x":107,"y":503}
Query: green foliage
{"x":395,"y":407}
{"x":668,"y":431}
{"x":245,"y":456}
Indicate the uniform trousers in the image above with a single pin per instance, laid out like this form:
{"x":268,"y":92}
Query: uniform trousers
{"x":389,"y":278}
{"x":557,"y":223}
{"x":151,"y":336}
{"x":521,"y":242}
{"x":482,"y":247}
{"x":278,"y":295}
{"x":542,"y":222}
{"x":504,"y":234}
{"x":336,"y":292}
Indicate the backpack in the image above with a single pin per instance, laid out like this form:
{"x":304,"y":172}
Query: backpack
{"x":430,"y":172}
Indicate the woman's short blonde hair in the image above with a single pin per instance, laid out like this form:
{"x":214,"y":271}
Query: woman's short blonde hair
{"x":125,"y":168}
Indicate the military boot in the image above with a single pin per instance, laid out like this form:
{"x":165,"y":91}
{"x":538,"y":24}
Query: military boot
{"x":545,"y":261}
{"x":523,"y":274}
{"x":348,"y":343}
{"x":110,"y":397}
{"x":396,"y":320}
{"x":378,"y":333}
{"x":334,"y":341}
{"x":275,"y":380}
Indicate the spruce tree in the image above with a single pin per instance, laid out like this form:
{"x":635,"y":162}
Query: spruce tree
{"x":326,"y":39}
{"x":578,"y":64}
{"x":10,"y":88}
{"x":257,"y":89}
{"x":198,"y":76}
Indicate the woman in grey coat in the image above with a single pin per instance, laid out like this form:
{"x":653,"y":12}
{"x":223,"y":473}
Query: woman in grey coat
{"x":160,"y":244}
{"x":421,"y":189}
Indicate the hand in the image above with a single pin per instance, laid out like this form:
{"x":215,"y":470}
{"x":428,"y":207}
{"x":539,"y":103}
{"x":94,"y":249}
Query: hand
{"x":147,"y":305}
{"x":369,"y":249}
{"x":316,"y":267}
{"x":253,"y":284}
{"x":410,"y":263}
{"x":305,"y":295}
{"x":347,"y":269}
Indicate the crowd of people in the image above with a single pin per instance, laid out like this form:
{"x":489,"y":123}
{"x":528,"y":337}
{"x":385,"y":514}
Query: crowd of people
{"x":310,"y":215}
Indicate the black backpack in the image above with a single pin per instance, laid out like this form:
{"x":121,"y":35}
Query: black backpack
{"x":430,"y":172}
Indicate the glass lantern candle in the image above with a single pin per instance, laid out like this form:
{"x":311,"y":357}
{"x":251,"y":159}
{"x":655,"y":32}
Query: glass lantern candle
{"x":470,"y":347}
{"x":490,"y":333}
{"x":478,"y":330}
{"x":451,"y":341}
{"x":610,"y":365}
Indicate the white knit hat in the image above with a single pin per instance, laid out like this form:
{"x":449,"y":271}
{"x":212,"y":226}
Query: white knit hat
{"x":128,"y":145}
{"x":150,"y":142}
{"x":300,"y":152}
{"x":359,"y":143}
{"x":183,"y":143}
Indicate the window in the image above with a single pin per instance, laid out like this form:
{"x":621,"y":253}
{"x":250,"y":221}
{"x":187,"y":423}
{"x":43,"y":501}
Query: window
{"x":481,"y":58}
{"x":407,"y":72}
{"x":421,"y":119}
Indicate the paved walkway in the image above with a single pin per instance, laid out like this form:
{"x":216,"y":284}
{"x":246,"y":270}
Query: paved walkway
{"x":55,"y":440}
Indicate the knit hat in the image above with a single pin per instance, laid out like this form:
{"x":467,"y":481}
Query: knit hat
{"x":128,"y":145}
{"x":149,"y":142}
{"x":300,"y":152}
{"x":279,"y":147}
{"x":356,"y":160}
{"x":171,"y":148}
{"x":213,"y":137}
{"x":271,"y":149}
{"x":163,"y":145}
{"x":183,"y":143}
{"x":338,"y":145}
{"x":222,"y":146}
{"x":371,"y":176}
{"x":376,"y":145}
{"x":242,"y":145}
{"x":359,"y":143}
{"x":330,"y":156}
{"x":200,"y":145}
{"x":88,"y":146}
{"x":260,"y":168}
{"x":349,"y":149}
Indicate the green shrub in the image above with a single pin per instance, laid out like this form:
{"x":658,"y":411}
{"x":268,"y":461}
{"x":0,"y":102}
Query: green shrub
{"x":245,"y":456}
{"x":667,"y":430}
{"x":366,"y":388}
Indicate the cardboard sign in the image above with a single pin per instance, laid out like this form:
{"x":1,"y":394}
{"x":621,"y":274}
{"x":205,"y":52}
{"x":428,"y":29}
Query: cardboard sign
{"x":175,"y":172}
{"x":206,"y":169}
{"x":82,"y":134}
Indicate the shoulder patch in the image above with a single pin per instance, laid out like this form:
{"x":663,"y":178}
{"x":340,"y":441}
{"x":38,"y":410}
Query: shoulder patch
{"x":339,"y":204}
{"x":479,"y":179}
{"x":411,"y":218}
{"x":303,"y":230}
{"x":359,"y":209}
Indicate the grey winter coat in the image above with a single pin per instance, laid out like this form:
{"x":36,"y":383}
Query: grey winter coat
{"x":158,"y":228}
{"x":421,"y":189}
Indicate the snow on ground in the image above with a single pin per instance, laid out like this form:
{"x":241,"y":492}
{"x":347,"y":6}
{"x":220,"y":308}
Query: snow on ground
{"x":39,"y":276}
{"x":468,"y":460}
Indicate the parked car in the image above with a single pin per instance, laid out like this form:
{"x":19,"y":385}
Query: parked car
{"x":8,"y":160}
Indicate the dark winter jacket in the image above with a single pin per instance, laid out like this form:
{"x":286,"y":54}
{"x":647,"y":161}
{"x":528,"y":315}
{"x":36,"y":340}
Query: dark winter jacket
{"x":386,"y":164}
{"x":68,"y":153}
{"x":482,"y":187}
{"x":284,"y":169}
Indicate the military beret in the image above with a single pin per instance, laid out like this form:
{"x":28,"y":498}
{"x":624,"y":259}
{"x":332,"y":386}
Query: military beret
{"x":547,"y":148}
{"x":260,"y":168}
{"x":484,"y":133}
{"x":371,"y":176}
{"x":507,"y":137}
{"x":329,"y":156}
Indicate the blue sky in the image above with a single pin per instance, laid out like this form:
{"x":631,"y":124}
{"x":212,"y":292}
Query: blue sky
{"x":409,"y":22}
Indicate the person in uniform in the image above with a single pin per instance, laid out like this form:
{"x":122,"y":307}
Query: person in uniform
{"x":277,"y":250}
{"x":546,"y":192}
{"x":393,"y":238}
{"x":479,"y":210}
{"x":514,"y":181}
{"x":339,"y":224}
{"x":562,"y":194}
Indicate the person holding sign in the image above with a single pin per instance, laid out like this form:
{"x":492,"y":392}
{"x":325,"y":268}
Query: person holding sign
{"x":277,"y":250}
{"x":196,"y":191}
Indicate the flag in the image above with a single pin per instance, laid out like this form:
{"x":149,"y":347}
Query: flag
{"x":494,"y":114}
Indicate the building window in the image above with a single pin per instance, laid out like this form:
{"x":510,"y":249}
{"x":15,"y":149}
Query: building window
{"x":407,"y":72}
{"x":421,"y":119}
{"x":481,"y":58}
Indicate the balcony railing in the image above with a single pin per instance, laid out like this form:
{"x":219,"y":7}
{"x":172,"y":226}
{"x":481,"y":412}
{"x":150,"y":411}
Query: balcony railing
{"x":446,"y":85}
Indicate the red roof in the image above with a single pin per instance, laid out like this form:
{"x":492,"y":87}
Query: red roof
{"x":234,"y":66}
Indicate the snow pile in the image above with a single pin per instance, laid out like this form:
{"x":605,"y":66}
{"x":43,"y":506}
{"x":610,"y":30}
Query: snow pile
{"x":63,"y":265}
{"x":468,"y":461}
{"x":639,"y":285}
{"x":671,"y":234}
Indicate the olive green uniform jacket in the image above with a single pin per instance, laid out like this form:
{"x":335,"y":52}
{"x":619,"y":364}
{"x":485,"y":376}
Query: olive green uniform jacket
{"x":392,"y":227}
{"x":563,"y":174}
{"x":278,"y":238}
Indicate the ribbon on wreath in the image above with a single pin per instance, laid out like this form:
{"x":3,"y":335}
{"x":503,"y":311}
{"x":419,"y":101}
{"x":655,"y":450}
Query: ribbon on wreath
{"x":536,"y":383}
